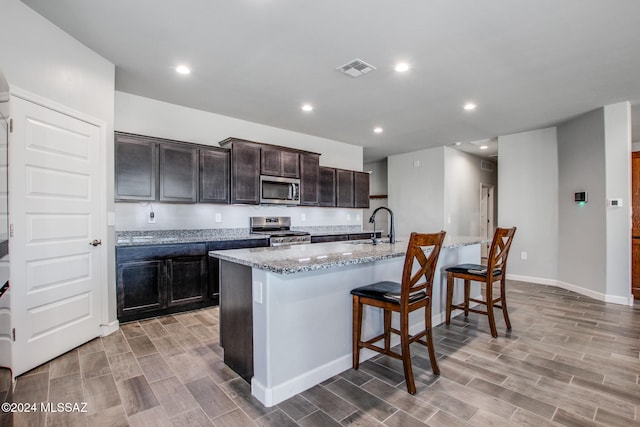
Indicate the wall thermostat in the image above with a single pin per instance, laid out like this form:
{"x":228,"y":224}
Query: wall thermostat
{"x":580,"y":197}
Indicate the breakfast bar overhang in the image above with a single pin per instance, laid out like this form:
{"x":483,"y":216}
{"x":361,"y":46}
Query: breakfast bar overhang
{"x":285,"y":312}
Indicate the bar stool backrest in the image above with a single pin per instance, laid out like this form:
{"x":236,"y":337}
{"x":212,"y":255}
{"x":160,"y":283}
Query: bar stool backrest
{"x":410,"y":281}
{"x":502,"y":239}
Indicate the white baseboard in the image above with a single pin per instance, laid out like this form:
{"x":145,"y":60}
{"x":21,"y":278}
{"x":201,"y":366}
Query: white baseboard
{"x":596,"y":295}
{"x":109,"y":328}
{"x":270,"y":396}
{"x":615,"y":299}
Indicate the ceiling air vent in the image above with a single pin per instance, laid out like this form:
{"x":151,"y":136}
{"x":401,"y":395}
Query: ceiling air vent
{"x":487,"y":166}
{"x":356,"y":68}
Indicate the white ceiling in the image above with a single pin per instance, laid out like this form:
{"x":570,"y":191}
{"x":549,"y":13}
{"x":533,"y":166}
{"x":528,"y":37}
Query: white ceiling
{"x":527,"y":64}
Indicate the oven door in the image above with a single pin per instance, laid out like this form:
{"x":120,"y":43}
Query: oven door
{"x":281,"y":191}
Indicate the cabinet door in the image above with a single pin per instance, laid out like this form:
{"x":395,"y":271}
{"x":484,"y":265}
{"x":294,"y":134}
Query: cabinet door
{"x":327,"y":187}
{"x":214,"y":176}
{"x":141,"y":286}
{"x":361,"y":189}
{"x":309,"y":176}
{"x":290,"y":162}
{"x":136,"y":168}
{"x":270,"y":161}
{"x":178,"y":173}
{"x":278,"y":162}
{"x":344,"y":188}
{"x":245,"y":173}
{"x":186,"y":280}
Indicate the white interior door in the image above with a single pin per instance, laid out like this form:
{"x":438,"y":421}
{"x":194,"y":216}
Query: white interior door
{"x":55,"y":214}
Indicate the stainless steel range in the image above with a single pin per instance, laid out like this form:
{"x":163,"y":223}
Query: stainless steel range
{"x":278,"y":228}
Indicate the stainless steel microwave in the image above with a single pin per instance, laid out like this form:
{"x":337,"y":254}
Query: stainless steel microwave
{"x":280,"y":191}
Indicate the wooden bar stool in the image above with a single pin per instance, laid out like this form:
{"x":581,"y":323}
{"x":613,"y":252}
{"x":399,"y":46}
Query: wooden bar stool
{"x":402,"y":298}
{"x":495,"y":270}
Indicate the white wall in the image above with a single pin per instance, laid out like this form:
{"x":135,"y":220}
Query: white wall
{"x":594,"y":241}
{"x":528,"y":177}
{"x":462,"y":180}
{"x":377,"y":187}
{"x":617,"y":140}
{"x":38,"y":57}
{"x":436,"y":189}
{"x":146,"y":116}
{"x":416,"y":190}
{"x":582,"y":228}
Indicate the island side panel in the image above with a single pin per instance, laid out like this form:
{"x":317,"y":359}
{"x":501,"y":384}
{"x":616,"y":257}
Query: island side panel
{"x":303,"y":326}
{"x":236,"y":319}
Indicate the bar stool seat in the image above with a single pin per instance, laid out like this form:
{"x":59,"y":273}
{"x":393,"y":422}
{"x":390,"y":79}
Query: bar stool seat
{"x":409,"y":295}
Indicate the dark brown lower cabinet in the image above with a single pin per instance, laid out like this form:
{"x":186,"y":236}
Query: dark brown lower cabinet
{"x":155,"y":280}
{"x":161,"y":279}
{"x":187,"y":280}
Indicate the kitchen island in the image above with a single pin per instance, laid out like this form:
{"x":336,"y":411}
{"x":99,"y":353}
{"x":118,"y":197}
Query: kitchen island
{"x":285,"y":312}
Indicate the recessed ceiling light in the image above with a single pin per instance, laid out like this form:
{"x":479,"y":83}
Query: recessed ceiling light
{"x":401,"y":67}
{"x":183,"y":69}
{"x":377,"y":129}
{"x":484,"y":147}
{"x":307,"y":107}
{"x":469,"y":106}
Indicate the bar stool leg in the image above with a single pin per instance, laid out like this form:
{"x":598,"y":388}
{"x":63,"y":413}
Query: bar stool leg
{"x":467,"y":295}
{"x":489,"y":302}
{"x":503,"y":296}
{"x":449,"y":296}
{"x":406,"y":353}
{"x":387,"y":330}
{"x":357,"y":330}
{"x":429,"y":339}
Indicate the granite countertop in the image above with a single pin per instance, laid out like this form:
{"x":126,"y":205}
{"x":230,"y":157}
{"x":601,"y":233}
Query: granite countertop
{"x":290,"y":259}
{"x":163,"y":237}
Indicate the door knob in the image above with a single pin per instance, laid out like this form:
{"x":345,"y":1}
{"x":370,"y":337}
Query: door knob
{"x":96,"y":242}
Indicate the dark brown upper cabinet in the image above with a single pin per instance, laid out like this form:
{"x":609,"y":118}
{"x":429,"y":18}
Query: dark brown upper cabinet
{"x":245,"y":171}
{"x":279,"y":162}
{"x":214,"y":176}
{"x":309,"y":177}
{"x":136,"y":168}
{"x":361,"y":189}
{"x":326,"y":186}
{"x":344,"y":188}
{"x":178,"y":173}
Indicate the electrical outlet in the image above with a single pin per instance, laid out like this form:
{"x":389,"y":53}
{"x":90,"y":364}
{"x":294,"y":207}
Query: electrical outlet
{"x":523,"y":255}
{"x":348,"y":217}
{"x":152,"y":217}
{"x":218,"y":217}
{"x":416,"y":163}
{"x":303,"y":217}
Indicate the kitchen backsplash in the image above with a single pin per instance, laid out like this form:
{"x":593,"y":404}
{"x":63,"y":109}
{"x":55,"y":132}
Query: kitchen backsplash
{"x":167,"y":216}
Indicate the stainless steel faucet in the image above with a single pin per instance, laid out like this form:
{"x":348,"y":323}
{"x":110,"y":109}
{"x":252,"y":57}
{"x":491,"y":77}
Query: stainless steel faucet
{"x":372,"y":219}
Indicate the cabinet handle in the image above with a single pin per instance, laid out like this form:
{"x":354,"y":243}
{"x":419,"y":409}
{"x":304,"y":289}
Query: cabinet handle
{"x":96,"y":242}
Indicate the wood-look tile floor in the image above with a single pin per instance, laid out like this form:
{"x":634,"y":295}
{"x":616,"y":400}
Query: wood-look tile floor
{"x":569,"y":360}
